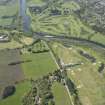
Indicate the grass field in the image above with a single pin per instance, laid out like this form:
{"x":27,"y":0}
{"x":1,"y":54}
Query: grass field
{"x":61,"y":96}
{"x":100,"y":57}
{"x":67,"y":55}
{"x":99,"y":38}
{"x":9,"y":74}
{"x":31,"y":2}
{"x":90,"y":83}
{"x":42,"y":63}
{"x":67,"y":25}
{"x":16,"y":99}
{"x":11,"y":45}
{"x":8,"y":10}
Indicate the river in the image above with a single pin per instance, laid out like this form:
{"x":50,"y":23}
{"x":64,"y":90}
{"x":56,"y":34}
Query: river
{"x":25,"y":18}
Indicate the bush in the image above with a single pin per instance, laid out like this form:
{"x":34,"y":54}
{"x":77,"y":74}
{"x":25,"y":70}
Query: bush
{"x":8,"y":91}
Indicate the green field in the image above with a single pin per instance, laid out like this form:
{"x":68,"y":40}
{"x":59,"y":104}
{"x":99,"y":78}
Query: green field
{"x":67,"y":55}
{"x":61,"y":96}
{"x":9,"y":9}
{"x":16,"y":99}
{"x":31,"y":2}
{"x":11,"y":45}
{"x":10,"y":74}
{"x":67,"y":25}
{"x":89,"y":82}
{"x":42,"y":63}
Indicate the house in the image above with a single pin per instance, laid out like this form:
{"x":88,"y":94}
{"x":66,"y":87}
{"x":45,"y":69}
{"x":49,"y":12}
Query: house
{"x":55,"y":12}
{"x":4,"y":38}
{"x":37,"y":9}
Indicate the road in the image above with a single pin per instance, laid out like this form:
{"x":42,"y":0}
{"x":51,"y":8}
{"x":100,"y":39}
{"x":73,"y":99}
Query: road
{"x":59,"y":65}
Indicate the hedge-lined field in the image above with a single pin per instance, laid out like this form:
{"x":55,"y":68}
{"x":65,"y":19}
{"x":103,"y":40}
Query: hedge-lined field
{"x":16,"y":99}
{"x":42,"y":64}
{"x":61,"y":96}
{"x":8,"y":10}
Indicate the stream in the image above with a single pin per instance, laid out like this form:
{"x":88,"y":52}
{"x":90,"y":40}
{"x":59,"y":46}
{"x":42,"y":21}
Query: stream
{"x":25,"y":18}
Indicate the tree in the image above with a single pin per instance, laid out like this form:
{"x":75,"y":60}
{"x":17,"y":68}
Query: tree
{"x":8,"y":91}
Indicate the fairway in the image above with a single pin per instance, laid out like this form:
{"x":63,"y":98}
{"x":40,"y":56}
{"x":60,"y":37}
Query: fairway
{"x":61,"y":96}
{"x":42,"y":64}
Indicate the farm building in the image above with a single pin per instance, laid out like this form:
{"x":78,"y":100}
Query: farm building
{"x":4,"y":38}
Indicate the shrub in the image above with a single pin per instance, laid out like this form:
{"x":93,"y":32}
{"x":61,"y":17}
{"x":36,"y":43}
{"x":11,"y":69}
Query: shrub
{"x":8,"y":91}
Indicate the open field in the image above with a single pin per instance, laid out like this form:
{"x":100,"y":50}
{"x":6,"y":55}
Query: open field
{"x":55,"y":25}
{"x":59,"y":18}
{"x":9,"y":10}
{"x":61,"y":96}
{"x":42,"y":63}
{"x":15,"y":41}
{"x":90,"y":84}
{"x":11,"y":45}
{"x":16,"y":99}
{"x":8,"y":73}
{"x":71,"y":55}
{"x":100,"y":57}
{"x":67,"y":55}
{"x":99,"y":38}
{"x":32,"y":2}
{"x":68,"y":25}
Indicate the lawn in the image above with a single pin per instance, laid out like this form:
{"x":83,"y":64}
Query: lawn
{"x":61,"y":96}
{"x":16,"y":99}
{"x":42,"y":63}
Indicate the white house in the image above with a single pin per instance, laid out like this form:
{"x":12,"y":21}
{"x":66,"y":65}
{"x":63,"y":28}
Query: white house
{"x":4,"y":38}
